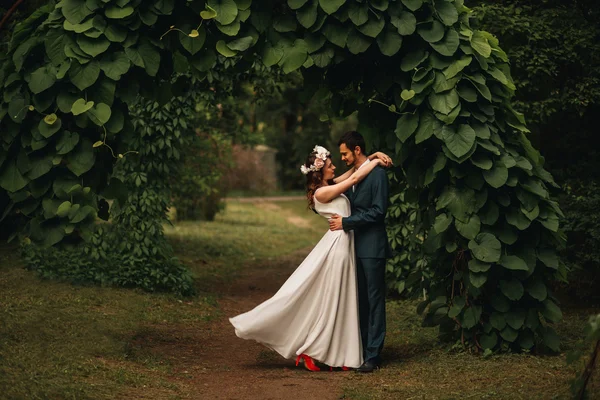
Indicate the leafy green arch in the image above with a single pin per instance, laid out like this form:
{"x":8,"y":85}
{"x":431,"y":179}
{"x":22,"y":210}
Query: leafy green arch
{"x":427,"y":88}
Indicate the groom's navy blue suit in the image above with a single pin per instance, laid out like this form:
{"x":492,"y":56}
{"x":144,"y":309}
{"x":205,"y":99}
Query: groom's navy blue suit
{"x":369,"y":203}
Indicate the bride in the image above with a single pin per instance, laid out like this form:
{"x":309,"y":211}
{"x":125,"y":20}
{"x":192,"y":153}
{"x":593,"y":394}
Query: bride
{"x":314,"y":315}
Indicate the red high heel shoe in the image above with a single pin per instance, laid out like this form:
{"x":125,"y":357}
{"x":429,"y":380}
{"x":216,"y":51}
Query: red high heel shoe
{"x":343,"y":369}
{"x":308,"y":362}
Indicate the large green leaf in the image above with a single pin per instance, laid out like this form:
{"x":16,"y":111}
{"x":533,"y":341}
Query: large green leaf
{"x":448,"y":45}
{"x":331,"y":6}
{"x":74,"y":11}
{"x":271,"y":55}
{"x":41,"y":79}
{"x":114,"y":12}
{"x":373,"y":27}
{"x":459,"y":142}
{"x":336,"y":33}
{"x":406,"y":126}
{"x":551,"y":339}
{"x":469,"y":229}
{"x":81,"y":106}
{"x":444,"y":102}
{"x":284,"y":23}
{"x":47,"y":130}
{"x":84,"y":76}
{"x":115,"y":65}
{"x":497,"y":320}
{"x":82,"y":159}
{"x":358,"y":13}
{"x":83,"y":213}
{"x":446,"y":11}
{"x":471,"y":316}
{"x":537,"y":290}
{"x":413,"y":5}
{"x":477,"y":266}
{"x":294,"y":56}
{"x":457,"y":66}
{"x":67,"y":142}
{"x":151,"y":57}
{"x":428,"y":124}
{"x":241,"y":44}
{"x":459,"y":201}
{"x":405,"y":23}
{"x":513,"y":263}
{"x":11,"y":179}
{"x":548,"y":257}
{"x":412,"y":60}
{"x":516,"y":218}
{"x":488,"y":341}
{"x":496,"y":177}
{"x":432,"y":31}
{"x":307,"y":16}
{"x":389,"y":43}
{"x":515,"y":318}
{"x":486,"y":247}
{"x":99,"y":114}
{"x":480,"y":44}
{"x":357,"y":42}
{"x":478,"y":280}
{"x":513,"y":289}
{"x":296,"y":4}
{"x":193,"y":44}
{"x":442,"y":222}
{"x":551,"y":311}
{"x":92,"y":47}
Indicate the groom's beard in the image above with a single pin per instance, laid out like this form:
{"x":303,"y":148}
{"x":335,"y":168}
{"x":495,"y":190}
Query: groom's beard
{"x":351,"y":163}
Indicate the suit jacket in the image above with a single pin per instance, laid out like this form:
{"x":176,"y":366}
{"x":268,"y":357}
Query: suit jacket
{"x":369,"y":203}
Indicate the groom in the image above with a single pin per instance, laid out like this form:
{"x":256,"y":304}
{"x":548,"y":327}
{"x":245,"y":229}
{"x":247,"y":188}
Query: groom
{"x":369,"y":202}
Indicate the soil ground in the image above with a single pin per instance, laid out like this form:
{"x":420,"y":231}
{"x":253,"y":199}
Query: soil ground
{"x":213,"y":363}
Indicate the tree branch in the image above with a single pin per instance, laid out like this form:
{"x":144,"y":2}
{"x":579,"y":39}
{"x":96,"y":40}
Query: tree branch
{"x":9,"y":12}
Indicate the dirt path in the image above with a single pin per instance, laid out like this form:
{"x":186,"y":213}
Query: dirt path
{"x":213,"y":363}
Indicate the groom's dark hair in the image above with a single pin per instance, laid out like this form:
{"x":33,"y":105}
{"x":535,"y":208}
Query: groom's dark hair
{"x":352,"y":139}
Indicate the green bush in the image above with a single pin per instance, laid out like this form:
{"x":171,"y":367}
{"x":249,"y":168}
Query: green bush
{"x":199,"y":184}
{"x":108,"y":261}
{"x":582,"y":226}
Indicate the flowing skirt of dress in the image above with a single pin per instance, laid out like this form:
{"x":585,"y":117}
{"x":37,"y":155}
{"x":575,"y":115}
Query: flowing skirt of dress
{"x":315,"y":312}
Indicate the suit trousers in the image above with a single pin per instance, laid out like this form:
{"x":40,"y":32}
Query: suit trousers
{"x":371,"y":305}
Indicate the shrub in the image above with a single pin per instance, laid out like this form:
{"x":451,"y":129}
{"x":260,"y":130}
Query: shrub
{"x":582,"y":226}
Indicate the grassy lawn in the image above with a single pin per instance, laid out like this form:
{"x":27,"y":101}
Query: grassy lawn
{"x":59,"y":341}
{"x":417,"y":366}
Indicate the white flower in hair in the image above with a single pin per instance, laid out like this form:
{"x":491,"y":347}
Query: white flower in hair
{"x":321,"y":155}
{"x":322,"y":152}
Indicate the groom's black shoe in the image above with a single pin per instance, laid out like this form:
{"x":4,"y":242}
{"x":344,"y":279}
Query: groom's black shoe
{"x":368,"y":366}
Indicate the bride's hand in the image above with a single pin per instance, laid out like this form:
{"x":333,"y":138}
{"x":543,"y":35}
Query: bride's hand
{"x":385,"y":159}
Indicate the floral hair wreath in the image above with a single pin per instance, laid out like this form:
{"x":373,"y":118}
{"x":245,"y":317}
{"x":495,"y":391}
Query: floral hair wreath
{"x":321,"y":155}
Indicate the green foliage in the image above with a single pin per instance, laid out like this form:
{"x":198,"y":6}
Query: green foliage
{"x":407,"y":268}
{"x":199,"y":188}
{"x":554,"y":76}
{"x":582,"y":226}
{"x":97,"y":262}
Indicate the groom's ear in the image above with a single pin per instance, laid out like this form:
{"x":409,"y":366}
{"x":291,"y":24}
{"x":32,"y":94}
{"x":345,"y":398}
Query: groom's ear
{"x":357,"y":150}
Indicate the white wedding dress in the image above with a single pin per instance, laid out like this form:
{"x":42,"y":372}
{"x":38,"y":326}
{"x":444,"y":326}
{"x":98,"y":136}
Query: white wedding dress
{"x":315,"y":312}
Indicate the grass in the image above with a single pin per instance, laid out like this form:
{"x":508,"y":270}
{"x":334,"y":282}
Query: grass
{"x":275,"y":193}
{"x":59,"y":341}
{"x":417,"y":366}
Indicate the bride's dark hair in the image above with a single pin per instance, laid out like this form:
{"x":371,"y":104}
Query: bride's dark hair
{"x":314,"y":180}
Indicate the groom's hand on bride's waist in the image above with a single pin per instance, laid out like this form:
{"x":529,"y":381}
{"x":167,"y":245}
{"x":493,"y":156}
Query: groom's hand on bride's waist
{"x":335,"y":223}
